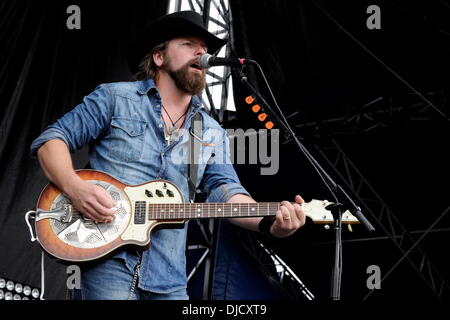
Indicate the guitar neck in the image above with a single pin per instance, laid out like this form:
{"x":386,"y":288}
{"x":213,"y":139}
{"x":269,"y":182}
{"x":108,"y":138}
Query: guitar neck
{"x":207,"y":210}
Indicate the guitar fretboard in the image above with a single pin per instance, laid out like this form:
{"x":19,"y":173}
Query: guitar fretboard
{"x":204,"y":210}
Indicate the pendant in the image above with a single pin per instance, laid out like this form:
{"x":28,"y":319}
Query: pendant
{"x":172,"y":130}
{"x":172,"y":134}
{"x":167,"y":137}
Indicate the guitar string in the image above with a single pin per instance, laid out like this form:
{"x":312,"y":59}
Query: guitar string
{"x":208,"y":210}
{"x":191,"y":210}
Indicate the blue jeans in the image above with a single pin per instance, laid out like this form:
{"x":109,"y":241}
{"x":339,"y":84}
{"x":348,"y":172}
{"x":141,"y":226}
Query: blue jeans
{"x":112,"y":280}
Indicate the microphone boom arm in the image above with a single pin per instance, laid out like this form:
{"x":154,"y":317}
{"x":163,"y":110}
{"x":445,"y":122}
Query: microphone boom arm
{"x":336,"y":189}
{"x":343,"y":200}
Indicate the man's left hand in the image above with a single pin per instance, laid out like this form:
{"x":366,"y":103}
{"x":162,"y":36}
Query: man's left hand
{"x":289,"y":218}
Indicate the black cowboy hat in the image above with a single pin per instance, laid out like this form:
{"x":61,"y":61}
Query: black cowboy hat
{"x":165,"y":28}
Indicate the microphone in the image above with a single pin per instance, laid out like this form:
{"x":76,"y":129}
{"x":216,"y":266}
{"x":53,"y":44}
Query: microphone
{"x":207,"y":61}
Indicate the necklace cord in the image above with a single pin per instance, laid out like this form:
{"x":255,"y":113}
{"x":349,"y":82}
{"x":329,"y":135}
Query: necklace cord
{"x":170,"y":118}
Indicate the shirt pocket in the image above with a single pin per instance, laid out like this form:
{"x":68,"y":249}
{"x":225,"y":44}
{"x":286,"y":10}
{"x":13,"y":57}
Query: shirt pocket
{"x":127,"y":138}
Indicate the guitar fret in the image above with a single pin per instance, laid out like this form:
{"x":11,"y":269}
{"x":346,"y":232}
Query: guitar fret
{"x":199,"y":211}
{"x":174,"y":211}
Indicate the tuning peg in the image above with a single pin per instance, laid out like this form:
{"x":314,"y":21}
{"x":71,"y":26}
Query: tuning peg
{"x":170,"y":194}
{"x":349,"y":226}
{"x":159,"y":193}
{"x":327,"y":227}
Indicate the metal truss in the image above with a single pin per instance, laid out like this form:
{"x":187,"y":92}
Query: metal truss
{"x":286,"y":279}
{"x":208,"y":243}
{"x":374,"y":206}
{"x":379,"y":113}
{"x":217,"y":17}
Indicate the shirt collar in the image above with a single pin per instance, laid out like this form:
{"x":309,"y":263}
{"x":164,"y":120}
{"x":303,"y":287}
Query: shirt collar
{"x":196,"y":103}
{"x":144,"y":86}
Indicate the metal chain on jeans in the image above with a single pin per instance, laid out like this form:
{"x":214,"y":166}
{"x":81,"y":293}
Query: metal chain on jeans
{"x":135,"y":278}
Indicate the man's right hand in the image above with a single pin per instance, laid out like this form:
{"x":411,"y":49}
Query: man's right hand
{"x":92,"y":201}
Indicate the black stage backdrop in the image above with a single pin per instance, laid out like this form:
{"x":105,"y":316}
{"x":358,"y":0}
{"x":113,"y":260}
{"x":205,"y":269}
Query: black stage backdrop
{"x":317,"y":72}
{"x":46,"y":70}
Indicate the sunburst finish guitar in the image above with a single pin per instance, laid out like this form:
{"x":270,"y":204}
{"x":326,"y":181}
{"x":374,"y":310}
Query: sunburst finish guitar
{"x":66,"y":234}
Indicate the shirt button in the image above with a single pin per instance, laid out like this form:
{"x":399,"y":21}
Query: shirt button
{"x":160,"y":125}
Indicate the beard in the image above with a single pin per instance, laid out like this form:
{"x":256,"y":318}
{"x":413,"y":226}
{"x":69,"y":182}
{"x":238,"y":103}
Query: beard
{"x":186,"y":81}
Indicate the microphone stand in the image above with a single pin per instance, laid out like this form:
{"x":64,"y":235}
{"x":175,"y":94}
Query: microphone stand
{"x":343,"y":200}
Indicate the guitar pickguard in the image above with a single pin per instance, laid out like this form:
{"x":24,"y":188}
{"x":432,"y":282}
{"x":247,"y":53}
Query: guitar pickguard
{"x":154,"y":192}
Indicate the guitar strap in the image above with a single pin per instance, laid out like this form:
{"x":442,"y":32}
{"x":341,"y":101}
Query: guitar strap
{"x":195,"y":141}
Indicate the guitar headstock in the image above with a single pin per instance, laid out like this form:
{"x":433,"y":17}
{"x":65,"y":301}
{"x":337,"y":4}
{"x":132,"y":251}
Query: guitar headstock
{"x":315,"y":210}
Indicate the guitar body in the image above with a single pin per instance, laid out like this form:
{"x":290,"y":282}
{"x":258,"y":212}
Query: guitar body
{"x":68,"y":236}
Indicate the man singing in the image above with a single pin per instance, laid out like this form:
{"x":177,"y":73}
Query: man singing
{"x":133,"y":130}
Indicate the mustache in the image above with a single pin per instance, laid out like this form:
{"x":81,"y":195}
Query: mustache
{"x":194,"y":62}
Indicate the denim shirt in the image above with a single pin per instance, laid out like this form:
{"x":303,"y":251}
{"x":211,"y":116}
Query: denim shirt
{"x":123,"y":126}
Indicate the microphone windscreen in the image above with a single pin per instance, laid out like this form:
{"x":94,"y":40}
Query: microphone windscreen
{"x":204,"y":61}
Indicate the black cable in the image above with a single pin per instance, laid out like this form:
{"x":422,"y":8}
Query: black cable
{"x":322,"y":174}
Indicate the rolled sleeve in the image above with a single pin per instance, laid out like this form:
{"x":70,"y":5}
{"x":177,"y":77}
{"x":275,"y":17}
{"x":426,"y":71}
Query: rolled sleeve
{"x":47,"y":135}
{"x":80,"y":126}
{"x":225,"y":192}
